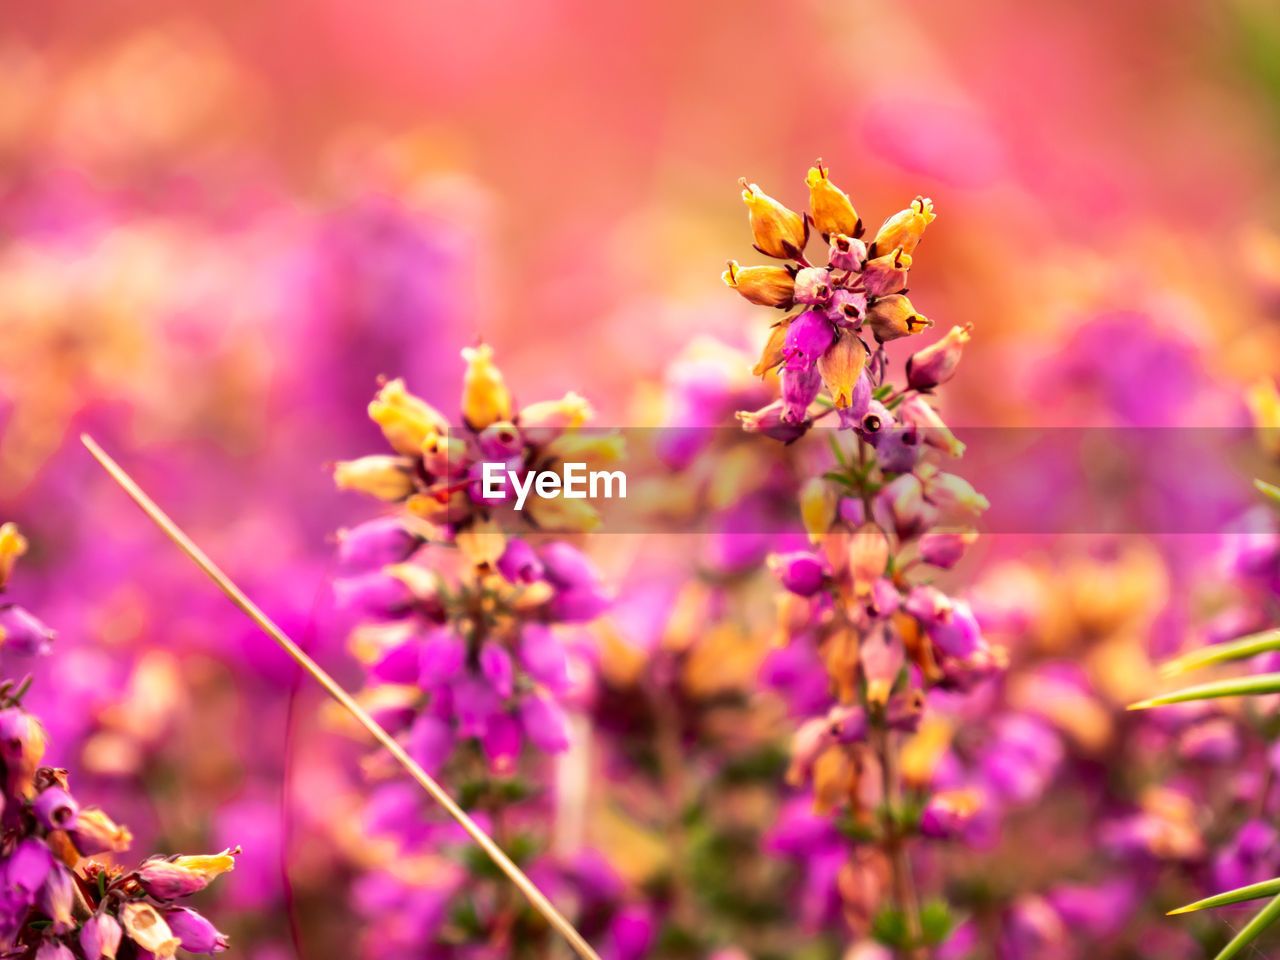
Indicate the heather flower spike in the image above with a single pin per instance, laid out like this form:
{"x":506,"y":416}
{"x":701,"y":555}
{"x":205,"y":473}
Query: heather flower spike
{"x":150,"y":924}
{"x":861,"y":597}
{"x":59,"y":902}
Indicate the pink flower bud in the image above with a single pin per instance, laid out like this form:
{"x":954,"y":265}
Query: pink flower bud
{"x":196,"y":933}
{"x":813,"y":285}
{"x":55,"y":809}
{"x":376,"y":544}
{"x":807,"y":338}
{"x":847,"y":308}
{"x":501,"y":743}
{"x":846,"y":253}
{"x":95,"y":833}
{"x":56,"y":898}
{"x":945,"y":549}
{"x":799,"y":389}
{"x":519,"y":563}
{"x":769,"y":422}
{"x":23,"y":633}
{"x":499,"y":440}
{"x":22,"y":743}
{"x":543,"y":656}
{"x":430,"y":742}
{"x":544,"y":723}
{"x":936,"y":363}
{"x":441,"y":659}
{"x":495,"y":664}
{"x":900,"y":506}
{"x":171,"y":879}
{"x":27,"y":867}
{"x":799,"y":572}
{"x":100,"y":937}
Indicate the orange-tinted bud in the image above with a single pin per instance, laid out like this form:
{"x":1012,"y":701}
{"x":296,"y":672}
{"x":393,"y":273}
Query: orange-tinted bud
{"x":905,"y":228}
{"x":406,"y":421}
{"x":886,"y":274}
{"x":777,"y":231}
{"x":485,"y":397}
{"x":772,"y":354}
{"x":767,"y":286}
{"x":1263,"y":400}
{"x":12,"y":545}
{"x":894,"y":317}
{"x":840,"y":367}
{"x":832,"y":211}
{"x":384,"y":477}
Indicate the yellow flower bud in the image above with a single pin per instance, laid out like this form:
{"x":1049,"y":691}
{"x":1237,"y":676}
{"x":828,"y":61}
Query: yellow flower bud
{"x":771,"y":356}
{"x":839,"y":653}
{"x":209,"y":865}
{"x":440,"y":507}
{"x":445,"y":456}
{"x":481,"y":543}
{"x":767,"y":286}
{"x":562,"y":514}
{"x":834,"y":778}
{"x":841,"y":365}
{"x":832,"y":211}
{"x":868,"y":556}
{"x":777,"y":231}
{"x":485,"y":397}
{"x":926,"y":748}
{"x":893,"y":317}
{"x":384,"y":477}
{"x":542,"y":422}
{"x":12,"y":545}
{"x":145,"y":927}
{"x":1263,"y":400}
{"x":905,"y":228}
{"x":818,"y":504}
{"x":406,"y":421}
{"x":596,"y":450}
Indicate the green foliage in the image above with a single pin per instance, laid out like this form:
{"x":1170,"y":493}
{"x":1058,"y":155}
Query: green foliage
{"x":1251,"y":931}
{"x":1254,"y":891}
{"x":1254,"y":685}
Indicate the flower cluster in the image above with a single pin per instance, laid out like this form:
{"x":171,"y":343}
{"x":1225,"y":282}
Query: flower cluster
{"x":460,"y":643}
{"x":438,"y":471}
{"x":868,"y":640}
{"x":859,"y":294}
{"x":467,"y":635}
{"x":58,"y":901}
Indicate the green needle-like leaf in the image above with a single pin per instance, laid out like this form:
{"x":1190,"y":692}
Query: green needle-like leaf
{"x":1254,"y":891}
{"x":1258,"y":685}
{"x":1249,"y":646}
{"x":1262,"y":919}
{"x":1269,"y":489}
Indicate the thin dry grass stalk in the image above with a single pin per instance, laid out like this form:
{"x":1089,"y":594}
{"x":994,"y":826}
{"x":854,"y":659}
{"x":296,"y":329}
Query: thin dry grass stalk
{"x":482,"y":839}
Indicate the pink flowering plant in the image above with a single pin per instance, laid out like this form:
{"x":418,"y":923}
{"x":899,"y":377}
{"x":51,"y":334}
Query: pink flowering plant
{"x":861,"y":608}
{"x":465,"y":632}
{"x":63,"y":896}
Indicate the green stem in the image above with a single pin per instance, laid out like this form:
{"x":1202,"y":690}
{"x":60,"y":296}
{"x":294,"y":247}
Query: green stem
{"x":895,"y":848}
